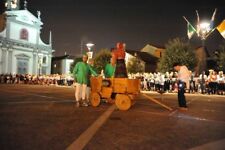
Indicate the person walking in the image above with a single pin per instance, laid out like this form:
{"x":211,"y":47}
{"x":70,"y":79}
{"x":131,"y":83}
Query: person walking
{"x":81,"y":74}
{"x":183,"y":79}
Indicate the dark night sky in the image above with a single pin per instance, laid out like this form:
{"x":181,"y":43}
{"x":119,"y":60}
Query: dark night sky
{"x":135,"y":22}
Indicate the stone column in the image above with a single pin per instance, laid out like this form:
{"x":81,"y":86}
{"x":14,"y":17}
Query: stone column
{"x":10,"y":60}
{"x":34,"y":71}
{"x":6,"y":60}
{"x":1,"y":60}
{"x":48,"y":71}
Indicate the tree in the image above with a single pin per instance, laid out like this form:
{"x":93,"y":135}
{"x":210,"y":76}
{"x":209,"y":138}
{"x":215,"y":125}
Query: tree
{"x":177,"y":51}
{"x":101,"y":59}
{"x":134,"y":65}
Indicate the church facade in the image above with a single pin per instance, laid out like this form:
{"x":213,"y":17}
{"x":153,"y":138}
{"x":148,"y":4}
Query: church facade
{"x":21,"y":49}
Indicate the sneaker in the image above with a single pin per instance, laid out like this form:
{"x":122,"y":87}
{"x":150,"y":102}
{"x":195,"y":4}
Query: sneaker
{"x":84,"y":104}
{"x":89,"y":103}
{"x":78,"y":104}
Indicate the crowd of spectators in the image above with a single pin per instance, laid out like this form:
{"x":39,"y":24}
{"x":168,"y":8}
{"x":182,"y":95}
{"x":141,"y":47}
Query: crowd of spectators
{"x":53,"y":79}
{"x":214,"y":83}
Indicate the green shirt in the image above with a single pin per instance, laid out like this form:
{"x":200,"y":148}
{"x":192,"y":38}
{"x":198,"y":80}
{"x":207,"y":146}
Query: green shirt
{"x":109,"y":71}
{"x":92,"y":69}
{"x":81,"y":72}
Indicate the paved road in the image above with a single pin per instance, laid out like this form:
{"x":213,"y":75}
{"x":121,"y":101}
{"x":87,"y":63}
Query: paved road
{"x":45,"y":117}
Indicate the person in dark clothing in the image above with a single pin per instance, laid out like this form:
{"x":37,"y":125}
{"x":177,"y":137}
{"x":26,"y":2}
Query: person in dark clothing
{"x":183,"y":79}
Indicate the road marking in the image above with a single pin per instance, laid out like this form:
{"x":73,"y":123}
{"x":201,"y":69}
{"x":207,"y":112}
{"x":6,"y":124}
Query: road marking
{"x":36,"y":102}
{"x":193,"y":99}
{"x":38,"y":95}
{"x":87,"y":135}
{"x":189,"y":117}
{"x":173,"y":112}
{"x":150,"y":112}
{"x":209,"y":110}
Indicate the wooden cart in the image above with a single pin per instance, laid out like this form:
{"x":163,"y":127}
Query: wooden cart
{"x":123,"y":89}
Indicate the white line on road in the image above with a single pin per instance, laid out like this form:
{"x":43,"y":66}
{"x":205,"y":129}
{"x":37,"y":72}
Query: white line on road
{"x":189,"y":117}
{"x":62,"y":100}
{"x":173,"y":112}
{"x":176,"y":110}
{"x":150,"y":112}
{"x":86,"y":136}
{"x":36,"y":102}
{"x":193,"y":99}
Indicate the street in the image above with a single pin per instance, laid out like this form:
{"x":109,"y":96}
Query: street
{"x":45,"y":117}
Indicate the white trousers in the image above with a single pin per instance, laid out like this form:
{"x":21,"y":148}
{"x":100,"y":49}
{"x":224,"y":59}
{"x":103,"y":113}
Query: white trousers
{"x":88,"y":90}
{"x":80,"y":91}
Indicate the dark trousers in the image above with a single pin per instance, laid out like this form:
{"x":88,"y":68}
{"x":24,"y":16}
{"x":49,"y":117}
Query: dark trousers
{"x":181,"y":97}
{"x":121,"y":71}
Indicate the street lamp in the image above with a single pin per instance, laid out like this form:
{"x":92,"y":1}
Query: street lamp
{"x":89,"y":46}
{"x":90,"y":53}
{"x":204,"y":30}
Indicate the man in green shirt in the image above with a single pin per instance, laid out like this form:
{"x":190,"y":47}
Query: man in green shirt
{"x":81,"y":74}
{"x":110,"y":69}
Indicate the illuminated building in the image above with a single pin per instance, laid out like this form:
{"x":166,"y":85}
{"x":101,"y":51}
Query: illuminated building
{"x":21,"y":49}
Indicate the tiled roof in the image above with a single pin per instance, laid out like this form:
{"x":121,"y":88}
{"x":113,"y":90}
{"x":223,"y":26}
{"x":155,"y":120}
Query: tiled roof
{"x":146,"y":57}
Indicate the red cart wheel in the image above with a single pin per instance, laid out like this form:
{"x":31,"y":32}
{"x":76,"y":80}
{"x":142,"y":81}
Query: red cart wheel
{"x":95,"y":99}
{"x":123,"y":102}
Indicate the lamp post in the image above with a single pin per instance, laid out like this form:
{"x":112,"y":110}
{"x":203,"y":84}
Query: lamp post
{"x":89,"y":46}
{"x":204,"y":31}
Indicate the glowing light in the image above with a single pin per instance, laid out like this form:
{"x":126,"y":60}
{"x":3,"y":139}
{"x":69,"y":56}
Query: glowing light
{"x":204,"y":30}
{"x":89,"y":46}
{"x":205,"y":27}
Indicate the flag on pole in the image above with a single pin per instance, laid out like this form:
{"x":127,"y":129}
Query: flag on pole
{"x":221,"y":28}
{"x":190,"y":30}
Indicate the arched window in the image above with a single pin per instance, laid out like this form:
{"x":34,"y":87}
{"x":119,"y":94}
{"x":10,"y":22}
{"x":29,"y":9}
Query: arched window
{"x":24,"y":34}
{"x":44,"y":60}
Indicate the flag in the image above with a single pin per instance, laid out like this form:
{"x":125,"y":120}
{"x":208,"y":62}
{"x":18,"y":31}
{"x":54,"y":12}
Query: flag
{"x":221,"y":28}
{"x":190,"y":30}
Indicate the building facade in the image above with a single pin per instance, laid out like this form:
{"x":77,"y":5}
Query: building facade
{"x":21,"y":49}
{"x":146,"y":60}
{"x":154,"y":51}
{"x":62,"y":64}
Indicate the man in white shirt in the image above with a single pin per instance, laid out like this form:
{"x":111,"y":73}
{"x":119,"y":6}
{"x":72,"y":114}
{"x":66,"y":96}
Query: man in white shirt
{"x":183,"y":80}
